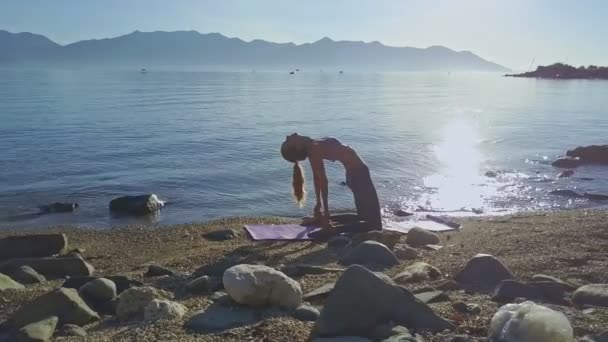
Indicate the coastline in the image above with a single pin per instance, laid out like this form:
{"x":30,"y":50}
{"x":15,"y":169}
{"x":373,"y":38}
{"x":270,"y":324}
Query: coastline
{"x":570,"y":245}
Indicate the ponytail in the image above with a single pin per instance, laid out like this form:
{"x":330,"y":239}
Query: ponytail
{"x":299,"y":194}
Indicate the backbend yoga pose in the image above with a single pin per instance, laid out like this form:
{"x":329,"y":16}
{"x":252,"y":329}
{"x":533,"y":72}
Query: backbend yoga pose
{"x":297,"y":148}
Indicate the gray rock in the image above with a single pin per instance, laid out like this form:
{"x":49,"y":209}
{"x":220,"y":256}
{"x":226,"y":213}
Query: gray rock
{"x":370,"y":252}
{"x":98,"y":290}
{"x":405,"y":252}
{"x":221,"y":235}
{"x":418,"y":271}
{"x":51,"y":267}
{"x":122,"y":283}
{"x":320,"y":292}
{"x":132,"y":303}
{"x":403,"y":338}
{"x":482,"y":274}
{"x":601,"y":337}
{"x":41,"y":331}
{"x":592,"y":294}
{"x":448,"y":285}
{"x":260,"y":285}
{"x":510,"y":289}
{"x":7,"y":283}
{"x":565,"y":193}
{"x":339,"y":242}
{"x":157,"y":271}
{"x":341,"y":339}
{"x":595,"y":197}
{"x":218,"y":318}
{"x":72,"y":330}
{"x":299,"y":270}
{"x":160,"y":309}
{"x":204,"y":284}
{"x":221,"y":297}
{"x":567,"y":162}
{"x":136,"y":205}
{"x":565,"y":174}
{"x":490,"y":174}
{"x":306,"y":313}
{"x":418,"y":237}
{"x":432,"y":297}
{"x":27,"y":275}
{"x":58,"y":207}
{"x":361,"y":300}
{"x":459,"y":338}
{"x":388,"y":238}
{"x":66,"y":304}
{"x":39,"y":245}
{"x":107,"y":307}
{"x":544,"y":278}
{"x":384,"y":331}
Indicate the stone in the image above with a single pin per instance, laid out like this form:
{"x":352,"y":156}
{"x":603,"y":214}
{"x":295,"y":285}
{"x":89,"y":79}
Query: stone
{"x":98,"y":290}
{"x":508,"y":290}
{"x":361,"y":300}
{"x":132,"y":303}
{"x":592,"y":294}
{"x":405,"y":252}
{"x":136,"y":205}
{"x":529,"y":322}
{"x":593,"y":154}
{"x":418,"y":237}
{"x":221,"y":297}
{"x":482,"y":274}
{"x":431,"y":297}
{"x":306,"y":313}
{"x":601,"y":337}
{"x":448,"y":285}
{"x":370,"y":252}
{"x":260,"y":285}
{"x":490,"y":174}
{"x":418,"y":271}
{"x":7,"y":283}
{"x":38,"y":245}
{"x":157,"y":271}
{"x":122,"y":283}
{"x":386,"y":237}
{"x":319,"y":292}
{"x":403,"y":338}
{"x":565,"y":174}
{"x":58,"y":207}
{"x":544,"y":278}
{"x":159,"y":309}
{"x":204,"y":284}
{"x":41,"y":331}
{"x":298,"y":270}
{"x":64,"y":303}
{"x":339,"y":242}
{"x":221,"y":235}
{"x":459,"y":338}
{"x":595,"y":197}
{"x":565,"y":193}
{"x":341,"y":339}
{"x":72,"y":330}
{"x":402,"y":213}
{"x":51,"y":267}
{"x":219,"y":318}
{"x":27,"y":275}
{"x":384,"y":331}
{"x":566,"y":162}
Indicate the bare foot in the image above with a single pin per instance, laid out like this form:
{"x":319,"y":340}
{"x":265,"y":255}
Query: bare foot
{"x":310,"y":221}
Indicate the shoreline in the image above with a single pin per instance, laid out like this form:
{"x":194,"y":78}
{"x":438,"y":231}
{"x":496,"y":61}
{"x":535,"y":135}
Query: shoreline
{"x":570,"y":245}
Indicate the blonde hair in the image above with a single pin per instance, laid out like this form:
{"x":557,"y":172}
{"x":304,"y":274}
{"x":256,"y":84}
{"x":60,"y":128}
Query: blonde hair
{"x":299,"y":193}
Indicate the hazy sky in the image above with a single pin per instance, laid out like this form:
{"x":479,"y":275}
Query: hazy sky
{"x":509,"y":32}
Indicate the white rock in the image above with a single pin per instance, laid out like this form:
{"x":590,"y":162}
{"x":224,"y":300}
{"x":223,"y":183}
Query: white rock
{"x":262,"y":285}
{"x":132,"y":303}
{"x":164,"y":310}
{"x":529,"y":322}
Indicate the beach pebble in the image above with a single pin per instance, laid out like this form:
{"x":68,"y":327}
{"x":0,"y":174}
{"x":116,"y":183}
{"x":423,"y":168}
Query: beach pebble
{"x":306,"y":313}
{"x":160,"y":309}
{"x":98,"y":290}
{"x":418,"y":237}
{"x":158,"y":271}
{"x":462,"y":307}
{"x":459,"y":338}
{"x":592,"y":294}
{"x":370,"y":252}
{"x":361,"y":300}
{"x":72,"y":330}
{"x":64,"y":303}
{"x":41,"y":331}
{"x":26,"y":275}
{"x":261,"y":285}
{"x":405,"y":252}
{"x":482,"y":273}
{"x":7,"y":283}
{"x":418,"y":271}
{"x":221,"y":235}
{"x":132,"y":302}
{"x":204,"y":284}
{"x":529,"y":322}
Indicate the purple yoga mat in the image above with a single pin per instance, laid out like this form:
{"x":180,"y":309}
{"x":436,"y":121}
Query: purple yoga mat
{"x":280,"y":231}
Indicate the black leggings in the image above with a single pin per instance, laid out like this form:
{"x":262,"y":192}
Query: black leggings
{"x":352,"y":223}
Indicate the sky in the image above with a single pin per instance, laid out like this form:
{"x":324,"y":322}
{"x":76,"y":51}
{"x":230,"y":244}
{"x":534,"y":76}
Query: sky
{"x":513,"y":33}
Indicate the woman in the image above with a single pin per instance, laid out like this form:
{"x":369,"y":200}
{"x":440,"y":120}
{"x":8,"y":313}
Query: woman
{"x":297,"y":148}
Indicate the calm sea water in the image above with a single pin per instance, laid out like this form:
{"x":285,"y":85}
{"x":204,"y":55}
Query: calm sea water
{"x":209,"y":142}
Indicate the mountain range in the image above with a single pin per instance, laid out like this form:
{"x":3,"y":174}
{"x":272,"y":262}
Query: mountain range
{"x":145,"y":49}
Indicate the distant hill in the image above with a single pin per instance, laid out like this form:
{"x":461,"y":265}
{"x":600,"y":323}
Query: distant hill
{"x":213,"y":49}
{"x":566,"y":72}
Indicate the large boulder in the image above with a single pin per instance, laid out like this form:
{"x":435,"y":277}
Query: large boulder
{"x":159,"y":309}
{"x":261,"y":285}
{"x":132,"y":303}
{"x":546,"y":278}
{"x":99,"y":290}
{"x":567,"y":162}
{"x":592,"y":294}
{"x":51,"y":267}
{"x":204,"y":284}
{"x":418,"y":271}
{"x":41,"y":331}
{"x":417,"y":237}
{"x":482,"y":274}
{"x":594,"y":154}
{"x":7,"y":283}
{"x":122,"y":283}
{"x":39,"y":245}
{"x":370,"y":252}
{"x":529,"y":322}
{"x":26,"y":275}
{"x":136,"y":205}
{"x":66,"y":304}
{"x":361,"y":300}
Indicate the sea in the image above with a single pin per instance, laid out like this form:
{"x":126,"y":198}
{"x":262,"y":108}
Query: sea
{"x":208,"y":142}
